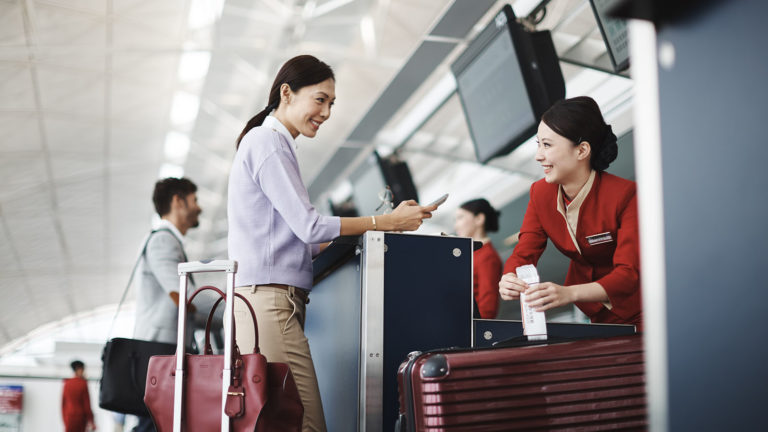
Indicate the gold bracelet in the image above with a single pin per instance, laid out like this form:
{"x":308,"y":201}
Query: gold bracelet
{"x":373,"y":218}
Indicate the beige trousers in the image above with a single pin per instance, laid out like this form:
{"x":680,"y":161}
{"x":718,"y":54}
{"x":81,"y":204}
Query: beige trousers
{"x":280,"y":315}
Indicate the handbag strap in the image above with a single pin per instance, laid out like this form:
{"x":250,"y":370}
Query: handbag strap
{"x":208,"y":349}
{"x":133,"y":273}
{"x":237,"y":361}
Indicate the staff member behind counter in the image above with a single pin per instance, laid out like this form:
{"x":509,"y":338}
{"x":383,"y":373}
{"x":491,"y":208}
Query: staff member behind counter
{"x":476,"y":218}
{"x":273,"y":228}
{"x":590,"y":216}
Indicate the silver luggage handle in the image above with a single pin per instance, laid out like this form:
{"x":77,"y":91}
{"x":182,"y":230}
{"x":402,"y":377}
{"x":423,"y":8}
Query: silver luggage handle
{"x":185,"y":269}
{"x":229,"y":266}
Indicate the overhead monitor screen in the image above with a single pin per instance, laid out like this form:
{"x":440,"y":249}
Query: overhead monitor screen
{"x":495,"y":98}
{"x":614,"y":33}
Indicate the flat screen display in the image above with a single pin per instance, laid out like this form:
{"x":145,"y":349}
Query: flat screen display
{"x":494,"y":95}
{"x":614,"y":33}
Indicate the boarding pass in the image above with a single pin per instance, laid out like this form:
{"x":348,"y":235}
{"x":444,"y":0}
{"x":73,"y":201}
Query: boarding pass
{"x":534,"y":323}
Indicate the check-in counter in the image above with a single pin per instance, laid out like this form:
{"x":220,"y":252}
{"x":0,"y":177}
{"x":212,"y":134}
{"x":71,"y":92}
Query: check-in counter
{"x":487,"y":332}
{"x":376,"y":298}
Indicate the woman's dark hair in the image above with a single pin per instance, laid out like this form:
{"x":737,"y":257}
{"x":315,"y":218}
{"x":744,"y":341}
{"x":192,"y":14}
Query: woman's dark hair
{"x":481,"y":205}
{"x":579,"y":119}
{"x":298,"y":72}
{"x":77,"y":364}
{"x":165,"y":190}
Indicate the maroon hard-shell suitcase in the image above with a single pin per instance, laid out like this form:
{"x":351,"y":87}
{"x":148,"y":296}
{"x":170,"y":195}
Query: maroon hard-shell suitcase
{"x":584,"y":385}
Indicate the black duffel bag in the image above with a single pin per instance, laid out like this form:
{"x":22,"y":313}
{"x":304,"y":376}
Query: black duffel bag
{"x":124,"y":362}
{"x":124,"y":373}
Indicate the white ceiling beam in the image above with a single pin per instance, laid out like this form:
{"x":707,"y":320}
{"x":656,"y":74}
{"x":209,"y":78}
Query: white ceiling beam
{"x":328,"y":7}
{"x":107,"y":138}
{"x":28,"y":12}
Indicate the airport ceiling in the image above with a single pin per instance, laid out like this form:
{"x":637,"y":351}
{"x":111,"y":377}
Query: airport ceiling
{"x":99,"y":98}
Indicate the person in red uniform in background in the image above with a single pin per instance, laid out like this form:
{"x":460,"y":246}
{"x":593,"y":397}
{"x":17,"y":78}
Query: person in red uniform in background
{"x":76,"y":402}
{"x":475,"y":219}
{"x":588,"y":214}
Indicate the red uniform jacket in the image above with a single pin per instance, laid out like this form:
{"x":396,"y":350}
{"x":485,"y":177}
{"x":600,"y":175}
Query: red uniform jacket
{"x":76,"y":404}
{"x":486,"y":275}
{"x":613,"y":262}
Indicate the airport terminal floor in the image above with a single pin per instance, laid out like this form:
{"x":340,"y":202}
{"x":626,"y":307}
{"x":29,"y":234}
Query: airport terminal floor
{"x":432,"y":215}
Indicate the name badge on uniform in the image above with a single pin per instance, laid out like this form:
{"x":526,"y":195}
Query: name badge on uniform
{"x":599,"y":238}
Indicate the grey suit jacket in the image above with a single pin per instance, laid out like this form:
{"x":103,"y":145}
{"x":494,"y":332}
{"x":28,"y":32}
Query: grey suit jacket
{"x":156,"y":313}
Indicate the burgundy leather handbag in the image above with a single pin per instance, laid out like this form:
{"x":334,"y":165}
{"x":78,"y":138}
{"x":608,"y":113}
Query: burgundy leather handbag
{"x":262,"y":396}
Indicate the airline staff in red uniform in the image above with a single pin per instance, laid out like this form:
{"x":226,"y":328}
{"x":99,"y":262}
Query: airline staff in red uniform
{"x":475,"y":219}
{"x":588,"y":214}
{"x":75,"y":401}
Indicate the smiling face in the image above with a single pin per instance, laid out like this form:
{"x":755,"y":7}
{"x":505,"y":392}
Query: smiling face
{"x":303,"y":112}
{"x":561,"y":159}
{"x":191,"y":210}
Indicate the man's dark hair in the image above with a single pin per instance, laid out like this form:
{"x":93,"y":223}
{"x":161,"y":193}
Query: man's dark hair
{"x":166,"y":189}
{"x":77,"y":364}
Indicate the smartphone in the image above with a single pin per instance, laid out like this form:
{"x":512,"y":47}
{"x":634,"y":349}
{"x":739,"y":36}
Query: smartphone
{"x":438,"y":201}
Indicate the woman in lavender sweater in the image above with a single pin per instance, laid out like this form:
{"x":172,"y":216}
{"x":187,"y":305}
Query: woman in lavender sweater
{"x":274,"y":230}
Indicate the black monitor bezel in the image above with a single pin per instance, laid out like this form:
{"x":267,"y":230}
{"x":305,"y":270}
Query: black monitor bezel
{"x":525,"y":56}
{"x":617,"y":67}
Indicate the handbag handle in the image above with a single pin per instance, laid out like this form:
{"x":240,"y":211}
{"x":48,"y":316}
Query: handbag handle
{"x":208,"y":349}
{"x":237,"y":361}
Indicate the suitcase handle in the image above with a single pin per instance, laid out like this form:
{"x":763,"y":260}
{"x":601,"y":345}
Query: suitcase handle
{"x":232,"y":360}
{"x":229,"y":266}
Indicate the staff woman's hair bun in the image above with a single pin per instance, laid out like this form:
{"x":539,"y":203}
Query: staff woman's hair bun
{"x":606,"y":153}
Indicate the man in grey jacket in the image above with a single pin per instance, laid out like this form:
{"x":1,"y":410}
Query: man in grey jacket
{"x":157,"y":297}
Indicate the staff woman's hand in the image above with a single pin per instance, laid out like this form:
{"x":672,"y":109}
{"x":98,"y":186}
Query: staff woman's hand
{"x":510,"y":286}
{"x":547,"y":295}
{"x":408,"y":216}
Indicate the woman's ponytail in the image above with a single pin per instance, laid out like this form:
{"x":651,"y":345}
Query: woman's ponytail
{"x":257,"y":120}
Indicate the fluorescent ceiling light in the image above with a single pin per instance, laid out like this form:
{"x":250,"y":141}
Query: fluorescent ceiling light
{"x":368,"y":33}
{"x":204,"y":13}
{"x":384,"y":150}
{"x":584,"y":83}
{"x":309,"y":9}
{"x":193,"y":65}
{"x":611,"y":90}
{"x":170,"y":170}
{"x":524,"y":7}
{"x":176,"y":147}
{"x":184,"y":108}
{"x":341,"y":192}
